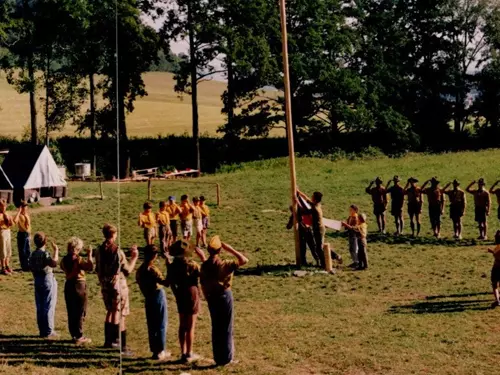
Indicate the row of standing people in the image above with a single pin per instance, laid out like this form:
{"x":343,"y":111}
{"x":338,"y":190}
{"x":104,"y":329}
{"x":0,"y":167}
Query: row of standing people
{"x":112,"y":268}
{"x":436,"y":196}
{"x":192,"y":217}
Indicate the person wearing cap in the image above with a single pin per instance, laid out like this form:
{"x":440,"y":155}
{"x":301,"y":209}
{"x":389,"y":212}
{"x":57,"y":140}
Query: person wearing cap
{"x":318,"y":226}
{"x":216,"y":280}
{"x":361,"y":230}
{"x":415,"y":202}
{"x":183,"y":276}
{"x":197,"y":220}
{"x":379,"y":199}
{"x":23,"y":222}
{"x":205,"y":215}
{"x":42,"y":265}
{"x":482,"y":203}
{"x":164,"y":231}
{"x":458,"y":202}
{"x":147,"y":221}
{"x":186,"y":215}
{"x":494,"y":191}
{"x":150,"y":281}
{"x":75,"y":288}
{"x":112,"y":270}
{"x":397,"y":202}
{"x":6,"y":223}
{"x":173,"y":210}
{"x":436,"y":203}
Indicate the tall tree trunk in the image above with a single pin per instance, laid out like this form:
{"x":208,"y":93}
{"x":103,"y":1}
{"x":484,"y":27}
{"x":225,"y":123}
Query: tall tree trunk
{"x":47,"y":94}
{"x":194,"y":91}
{"x":124,"y":145}
{"x":92,"y":124}
{"x":230,"y":85}
{"x":34,"y":126}
{"x":458,"y":114}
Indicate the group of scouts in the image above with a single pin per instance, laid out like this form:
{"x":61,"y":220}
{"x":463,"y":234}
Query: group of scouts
{"x":184,"y":276}
{"x":436,"y":196}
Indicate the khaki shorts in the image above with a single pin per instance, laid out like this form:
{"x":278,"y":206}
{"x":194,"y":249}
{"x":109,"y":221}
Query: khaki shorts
{"x":187,"y":228}
{"x":116,"y":297}
{"x":5,"y":244}
{"x":198,"y":225}
{"x":149,"y":234}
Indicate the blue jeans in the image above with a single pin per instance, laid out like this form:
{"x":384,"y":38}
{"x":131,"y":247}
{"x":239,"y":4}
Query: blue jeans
{"x":23,"y":245}
{"x":45,"y":299}
{"x":157,"y":320}
{"x":353,"y":246}
{"x":222,"y":315}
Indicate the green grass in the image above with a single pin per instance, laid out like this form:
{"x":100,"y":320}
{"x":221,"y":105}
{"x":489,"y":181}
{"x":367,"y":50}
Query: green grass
{"x":421,"y":308}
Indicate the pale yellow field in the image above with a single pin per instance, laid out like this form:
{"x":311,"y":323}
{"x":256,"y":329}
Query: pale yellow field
{"x":162,"y":112}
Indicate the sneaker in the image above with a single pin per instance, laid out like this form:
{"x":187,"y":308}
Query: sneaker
{"x":164,"y":355}
{"x":4,"y":272}
{"x":495,"y":304}
{"x":340,"y":260}
{"x":53,"y":336}
{"x":192,"y":357}
{"x":8,"y":271}
{"x":126,"y":352}
{"x":83,"y":341}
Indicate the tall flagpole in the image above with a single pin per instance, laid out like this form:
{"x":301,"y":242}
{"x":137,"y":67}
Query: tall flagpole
{"x":289,"y":130}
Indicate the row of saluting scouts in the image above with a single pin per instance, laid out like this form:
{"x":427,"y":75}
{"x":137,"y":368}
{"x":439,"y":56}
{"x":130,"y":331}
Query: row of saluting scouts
{"x":436,"y":197}
{"x":112,"y":267}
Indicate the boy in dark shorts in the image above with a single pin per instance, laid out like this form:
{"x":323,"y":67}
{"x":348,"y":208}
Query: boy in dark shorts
{"x":482,"y":203}
{"x":397,"y":202}
{"x":496,"y":192}
{"x":415,"y":202}
{"x":495,"y":271}
{"x":379,"y":199}
{"x":458,"y":202}
{"x":436,"y":200}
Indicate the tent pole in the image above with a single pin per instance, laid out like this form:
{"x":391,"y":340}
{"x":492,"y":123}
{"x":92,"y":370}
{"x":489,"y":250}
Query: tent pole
{"x":289,"y":129}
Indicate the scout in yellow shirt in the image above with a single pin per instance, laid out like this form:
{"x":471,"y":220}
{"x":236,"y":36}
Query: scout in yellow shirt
{"x":5,"y":239}
{"x":186,"y":215}
{"x":205,"y":218}
{"x":173,"y":210}
{"x":23,"y":222}
{"x":164,"y":232}
{"x":495,"y":271}
{"x":197,"y":220}
{"x":147,"y":221}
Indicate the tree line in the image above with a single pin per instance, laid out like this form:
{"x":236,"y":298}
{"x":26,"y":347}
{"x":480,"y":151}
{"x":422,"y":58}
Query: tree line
{"x":396,"y":74}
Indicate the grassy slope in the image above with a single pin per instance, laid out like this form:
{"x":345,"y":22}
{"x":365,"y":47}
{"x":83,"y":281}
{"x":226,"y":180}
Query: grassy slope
{"x":421,"y":308}
{"x":162,"y":112}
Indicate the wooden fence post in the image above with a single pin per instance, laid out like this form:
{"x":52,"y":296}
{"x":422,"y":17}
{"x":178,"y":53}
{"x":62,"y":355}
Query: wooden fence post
{"x":328,"y":257}
{"x":100,"y":190}
{"x":218,"y":195}
{"x":149,"y":189}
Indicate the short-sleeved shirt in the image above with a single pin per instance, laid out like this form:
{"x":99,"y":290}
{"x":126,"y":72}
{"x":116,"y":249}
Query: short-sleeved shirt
{"x":149,"y":278}
{"x":183,"y":273}
{"x":317,"y":216}
{"x":74,"y":267}
{"x":205,"y":211}
{"x":163,"y":218}
{"x":111,"y":264}
{"x":457,"y":198}
{"x":397,"y":196}
{"x":435,"y":196}
{"x":40,"y":262}
{"x":378,"y":193}
{"x":24,"y":223}
{"x":217,"y":275}
{"x":496,"y":255}
{"x":147,"y":221}
{"x":5,"y":222}
{"x":362,"y":229}
{"x":186,"y":212}
{"x":481,"y":198}
{"x":415,"y":195}
{"x":173,"y":211}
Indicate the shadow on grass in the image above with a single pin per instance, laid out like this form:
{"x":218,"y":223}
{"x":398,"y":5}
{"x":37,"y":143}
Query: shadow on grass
{"x":272,"y":270}
{"x":19,"y":350}
{"x":460,"y":303}
{"x":168,"y":366}
{"x":390,"y":239}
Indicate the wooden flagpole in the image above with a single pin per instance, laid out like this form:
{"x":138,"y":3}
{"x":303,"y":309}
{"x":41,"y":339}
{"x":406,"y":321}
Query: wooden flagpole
{"x":289,"y":130}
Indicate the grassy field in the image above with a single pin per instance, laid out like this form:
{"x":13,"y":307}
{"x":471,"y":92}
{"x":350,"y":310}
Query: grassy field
{"x":421,"y":308}
{"x":162,"y":112}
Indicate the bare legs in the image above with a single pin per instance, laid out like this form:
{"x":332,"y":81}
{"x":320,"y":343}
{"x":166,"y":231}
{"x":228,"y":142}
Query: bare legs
{"x":187,"y":325}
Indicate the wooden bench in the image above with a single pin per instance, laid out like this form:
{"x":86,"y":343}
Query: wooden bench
{"x":142,"y":174}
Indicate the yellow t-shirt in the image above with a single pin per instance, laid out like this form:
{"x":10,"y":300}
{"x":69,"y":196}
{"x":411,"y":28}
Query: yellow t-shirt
{"x":205,"y":211}
{"x":24,"y":223}
{"x":163,"y":218}
{"x":147,"y":221}
{"x":5,"y":224}
{"x":173,"y":211}
{"x":186,"y":212}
